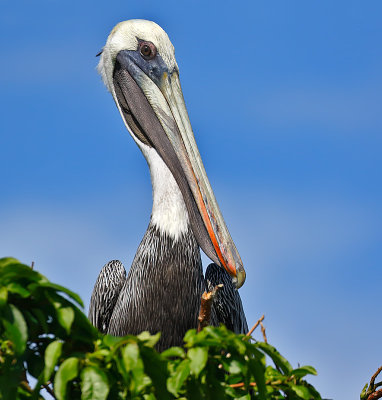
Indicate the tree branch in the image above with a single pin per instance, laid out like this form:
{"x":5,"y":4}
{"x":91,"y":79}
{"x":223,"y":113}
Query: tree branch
{"x":372,"y":380}
{"x":24,"y":382}
{"x":241,"y":384}
{"x":376,"y":395}
{"x":261,"y":319}
{"x":263,"y":332}
{"x":205,"y":307}
{"x":49,"y":390}
{"x":372,"y":393}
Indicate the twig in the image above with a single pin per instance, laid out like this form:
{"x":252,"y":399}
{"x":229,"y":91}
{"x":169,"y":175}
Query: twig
{"x":256,"y":325}
{"x":241,"y":384}
{"x":205,"y":307}
{"x":267,"y":382}
{"x":372,"y":380}
{"x":32,"y":265}
{"x":376,"y":395}
{"x":371,"y":393}
{"x":263,"y":332}
{"x":49,"y":390}
{"x":25,"y":382}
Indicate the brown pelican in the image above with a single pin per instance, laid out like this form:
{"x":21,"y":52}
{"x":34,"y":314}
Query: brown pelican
{"x":163,"y":287}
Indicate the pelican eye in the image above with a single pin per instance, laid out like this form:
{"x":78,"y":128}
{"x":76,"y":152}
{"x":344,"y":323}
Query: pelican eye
{"x":148,"y":50}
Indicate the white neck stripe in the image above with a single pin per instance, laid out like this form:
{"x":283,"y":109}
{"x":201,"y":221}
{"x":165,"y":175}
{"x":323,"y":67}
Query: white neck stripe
{"x":169,"y":213}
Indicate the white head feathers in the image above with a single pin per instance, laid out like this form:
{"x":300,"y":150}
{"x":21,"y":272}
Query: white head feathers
{"x":124,"y":36}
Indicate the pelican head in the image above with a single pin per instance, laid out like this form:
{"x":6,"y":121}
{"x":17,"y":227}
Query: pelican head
{"x":139,"y":68}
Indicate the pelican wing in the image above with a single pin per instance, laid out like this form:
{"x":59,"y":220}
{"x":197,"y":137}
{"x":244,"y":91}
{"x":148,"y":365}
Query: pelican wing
{"x":105,"y":294}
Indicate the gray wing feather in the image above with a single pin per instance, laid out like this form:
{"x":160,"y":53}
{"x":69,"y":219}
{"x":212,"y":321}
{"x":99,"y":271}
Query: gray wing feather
{"x":227,"y":306}
{"x":105,"y":294}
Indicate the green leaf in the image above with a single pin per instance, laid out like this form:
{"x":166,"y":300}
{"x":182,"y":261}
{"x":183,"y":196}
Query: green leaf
{"x":302,"y":371}
{"x":63,"y":289}
{"x":112,"y":341}
{"x":157,"y":369}
{"x":175,"y":382}
{"x":67,"y":372}
{"x":149,"y":396}
{"x":217,"y":333}
{"x":41,"y":317}
{"x":150,"y":340}
{"x":65,"y":316}
{"x":277,"y":358}
{"x":9,"y":381}
{"x":235,"y":367}
{"x":133,"y":362}
{"x":8,"y":260}
{"x":16,"y":328}
{"x":198,"y":358}
{"x":3,"y":296}
{"x":174,"y":352}
{"x":245,"y":397}
{"x":301,"y":391}
{"x":257,"y":369}
{"x":14,"y":271}
{"x":15,"y":287}
{"x":94,"y":384}
{"x":52,"y":354}
{"x":364,"y":391}
{"x":35,"y":363}
{"x":240,"y":345}
{"x":130,"y":356}
{"x":189,"y":337}
{"x":314,"y":395}
{"x":273,"y":374}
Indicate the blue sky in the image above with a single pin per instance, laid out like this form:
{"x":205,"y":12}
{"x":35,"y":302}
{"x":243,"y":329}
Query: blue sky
{"x":285,"y":101}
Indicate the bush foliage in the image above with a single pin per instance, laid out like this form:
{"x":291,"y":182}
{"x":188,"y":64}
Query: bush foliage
{"x":44,"y":334}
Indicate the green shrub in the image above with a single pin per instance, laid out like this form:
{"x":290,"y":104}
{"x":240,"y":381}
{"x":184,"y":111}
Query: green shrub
{"x":45,"y":334}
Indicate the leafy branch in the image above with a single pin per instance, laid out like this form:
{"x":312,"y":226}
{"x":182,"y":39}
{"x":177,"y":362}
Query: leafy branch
{"x":370,"y":391}
{"x":45,"y":334}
